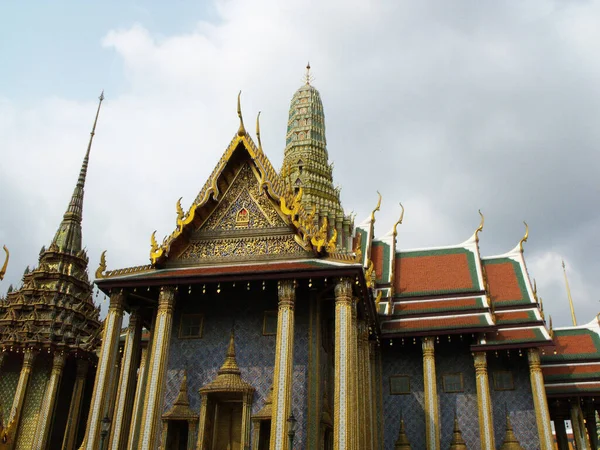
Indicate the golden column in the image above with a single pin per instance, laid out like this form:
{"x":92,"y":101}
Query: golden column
{"x":106,"y":363}
{"x":375,"y":411}
{"x":363,"y":428}
{"x":284,"y":365}
{"x":138,"y":404}
{"x":484,"y":402}
{"x":72,"y":427}
{"x":125,"y":393}
{"x":579,"y":433}
{"x":540,"y":403}
{"x":19,"y":398}
{"x":354,"y":376}
{"x":157,"y":367}
{"x":342,"y":414}
{"x":369,"y":399}
{"x":46,"y":414}
{"x":432,"y":422}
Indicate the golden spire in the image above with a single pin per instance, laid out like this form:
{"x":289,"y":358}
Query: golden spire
{"x":241,"y":130}
{"x":402,"y":443}
{"x":182,"y":397}
{"x":569,"y":295}
{"x":524,"y":239}
{"x":230,"y":365}
{"x":258,"y":131}
{"x":480,"y":227}
{"x":399,"y":222}
{"x":3,"y":270}
{"x":68,"y":235}
{"x":376,"y":209}
{"x":510,"y":440}
{"x":457,"y":443}
{"x":307,"y":76}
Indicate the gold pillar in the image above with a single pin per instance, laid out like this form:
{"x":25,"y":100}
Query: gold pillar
{"x":284,"y":366}
{"x":562,"y":440}
{"x":363,"y":429}
{"x":590,"y":425}
{"x":106,"y":363}
{"x":342,"y":414}
{"x":484,"y":402}
{"x":432,"y":420}
{"x":369,"y":393}
{"x":125,"y":394}
{"x":70,"y":437}
{"x":202,"y":422}
{"x":579,"y":432}
{"x":354,"y":377}
{"x":374,"y":394}
{"x":19,"y":398}
{"x":46,"y":414}
{"x":156,"y":369}
{"x":246,"y":413}
{"x":540,"y":403}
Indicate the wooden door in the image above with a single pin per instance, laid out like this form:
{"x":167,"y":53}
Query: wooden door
{"x":227,"y":433}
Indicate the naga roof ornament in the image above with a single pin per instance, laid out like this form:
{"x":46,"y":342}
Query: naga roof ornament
{"x":480,"y":227}
{"x":241,"y":130}
{"x":524,"y":238}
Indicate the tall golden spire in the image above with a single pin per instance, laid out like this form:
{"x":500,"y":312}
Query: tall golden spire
{"x":68,"y":235}
{"x":569,"y":295}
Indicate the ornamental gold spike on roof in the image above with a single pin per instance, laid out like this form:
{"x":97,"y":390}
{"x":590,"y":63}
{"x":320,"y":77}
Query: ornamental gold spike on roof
{"x":458,"y":443}
{"x":402,"y":442}
{"x":181,"y":406}
{"x":3,"y":270}
{"x":510,"y":440}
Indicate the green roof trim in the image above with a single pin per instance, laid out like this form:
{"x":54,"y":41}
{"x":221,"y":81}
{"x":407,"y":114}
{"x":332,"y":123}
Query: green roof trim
{"x":575,"y":356}
{"x":450,"y":308}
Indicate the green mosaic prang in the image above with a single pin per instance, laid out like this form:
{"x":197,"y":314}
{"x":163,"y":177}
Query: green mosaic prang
{"x":475,"y":286}
{"x":525,"y":299}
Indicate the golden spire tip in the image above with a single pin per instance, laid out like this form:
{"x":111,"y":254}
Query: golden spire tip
{"x":241,"y":130}
{"x":307,"y":77}
{"x":101,"y":95}
{"x":573,"y":318}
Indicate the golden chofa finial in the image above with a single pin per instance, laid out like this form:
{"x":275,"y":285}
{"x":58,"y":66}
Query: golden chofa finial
{"x":376,"y":208}
{"x":258,"y":131}
{"x":102,"y":267}
{"x":569,"y":294}
{"x":524,"y":239}
{"x":3,"y":270}
{"x":399,"y":222}
{"x":241,"y":130}
{"x":480,"y":227}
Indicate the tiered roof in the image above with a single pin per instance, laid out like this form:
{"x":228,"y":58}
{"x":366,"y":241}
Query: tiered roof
{"x":573,"y":365}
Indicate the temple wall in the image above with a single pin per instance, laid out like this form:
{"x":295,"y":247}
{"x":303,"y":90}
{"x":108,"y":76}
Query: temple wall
{"x":403,"y":360}
{"x":40,"y":374}
{"x":255,"y":353}
{"x":9,"y":378}
{"x":519,"y":401}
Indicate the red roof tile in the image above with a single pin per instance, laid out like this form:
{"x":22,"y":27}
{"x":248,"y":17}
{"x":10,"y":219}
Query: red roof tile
{"x":437,"y":323}
{"x":503,"y":282}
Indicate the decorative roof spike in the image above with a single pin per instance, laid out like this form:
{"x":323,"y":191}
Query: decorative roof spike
{"x":573,"y":318}
{"x":241,"y":130}
{"x":307,"y":77}
{"x":480,"y":227}
{"x":102,"y":267}
{"x":377,"y":208}
{"x":230,"y":365}
{"x":399,"y":222}
{"x":510,"y":440}
{"x":68,"y":235}
{"x":402,"y":443}
{"x":457,"y":443}
{"x":5,"y":265}
{"x":258,"y":131}
{"x":182,"y":397}
{"x":524,"y":239}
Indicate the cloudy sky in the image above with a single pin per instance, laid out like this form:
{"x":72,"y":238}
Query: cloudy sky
{"x":446,"y":106}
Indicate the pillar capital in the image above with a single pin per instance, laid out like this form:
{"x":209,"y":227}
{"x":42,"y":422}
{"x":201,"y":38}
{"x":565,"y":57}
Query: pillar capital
{"x":343,"y":291}
{"x":428,"y":344}
{"x":166,"y":299}
{"x":286,"y":291}
{"x":58,"y":362}
{"x":480,"y":362}
{"x":29,"y":358}
{"x":533,"y":356}
{"x":117,"y":301}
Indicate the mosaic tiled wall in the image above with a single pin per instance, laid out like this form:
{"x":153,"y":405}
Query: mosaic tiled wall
{"x":9,"y":378}
{"x":33,"y":399}
{"x":453,"y":358}
{"x":255,"y":353}
{"x":519,"y":401}
{"x":403,"y":360}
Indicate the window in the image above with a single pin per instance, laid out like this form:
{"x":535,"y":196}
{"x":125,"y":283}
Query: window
{"x":453,"y":382}
{"x":270,"y":323}
{"x":503,"y":381}
{"x":191,"y":326}
{"x":399,"y":384}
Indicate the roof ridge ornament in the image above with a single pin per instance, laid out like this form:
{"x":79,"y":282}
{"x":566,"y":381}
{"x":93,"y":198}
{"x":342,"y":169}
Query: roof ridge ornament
{"x":480,"y":227}
{"x":377,"y":208}
{"x":399,"y":222}
{"x":241,"y":130}
{"x":258,"y":132}
{"x":5,"y":265}
{"x":524,"y":238}
{"x":102,"y":267}
{"x":573,"y":318}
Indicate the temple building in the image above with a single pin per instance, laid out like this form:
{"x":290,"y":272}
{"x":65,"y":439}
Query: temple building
{"x":269,"y":320}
